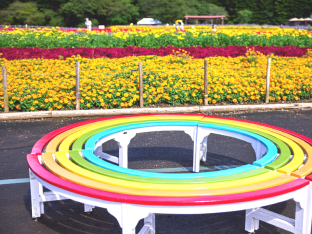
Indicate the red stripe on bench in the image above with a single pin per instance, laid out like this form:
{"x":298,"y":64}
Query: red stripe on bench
{"x":221,"y":199}
{"x":47,"y":176}
{"x":309,"y":177}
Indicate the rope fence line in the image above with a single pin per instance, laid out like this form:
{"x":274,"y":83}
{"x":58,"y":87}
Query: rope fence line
{"x":140,"y":70}
{"x":169,"y":71}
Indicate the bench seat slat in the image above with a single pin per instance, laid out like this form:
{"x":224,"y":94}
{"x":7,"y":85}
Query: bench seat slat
{"x":273,"y":178}
{"x":271,"y":153}
{"x":75,"y":157}
{"x":278,"y":164}
{"x":88,"y":154}
{"x":40,"y":144}
{"x":73,"y":137}
{"x":55,"y":142}
{"x":306,"y":169}
{"x":90,"y":144}
{"x":99,"y":162}
{"x":70,"y":166}
{"x":47,"y":176}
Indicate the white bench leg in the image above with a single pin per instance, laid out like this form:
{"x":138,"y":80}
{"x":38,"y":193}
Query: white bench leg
{"x":149,"y":225}
{"x":123,"y":155}
{"x":251,"y":223}
{"x":300,"y":225}
{"x":128,"y":217}
{"x":200,"y":149}
{"x":36,"y":189}
{"x":259,"y":149}
{"x":88,"y":208}
{"x":126,"y":230}
{"x":299,"y":221}
{"x":123,"y":142}
{"x":303,"y":213}
{"x":203,"y":149}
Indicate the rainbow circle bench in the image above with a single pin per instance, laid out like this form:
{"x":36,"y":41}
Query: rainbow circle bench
{"x":69,"y":162}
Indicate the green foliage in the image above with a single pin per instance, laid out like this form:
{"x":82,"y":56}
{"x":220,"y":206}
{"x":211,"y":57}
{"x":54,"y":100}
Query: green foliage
{"x":4,"y":3}
{"x":150,"y":41}
{"x":19,"y":13}
{"x":145,"y":7}
{"x":52,"y":18}
{"x":112,"y":12}
{"x":105,"y":12}
{"x":267,"y":11}
{"x":287,"y":9}
{"x":213,"y":9}
{"x":244,"y":16}
{"x":168,"y":11}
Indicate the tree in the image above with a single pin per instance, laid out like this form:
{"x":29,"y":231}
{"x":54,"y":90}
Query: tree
{"x":145,"y":7}
{"x":197,"y":7}
{"x":287,"y":9}
{"x":53,"y":18}
{"x":244,"y":16}
{"x":103,"y":11}
{"x":19,"y":13}
{"x":49,"y":4}
{"x":168,"y":11}
{"x":213,"y":9}
{"x":5,"y":3}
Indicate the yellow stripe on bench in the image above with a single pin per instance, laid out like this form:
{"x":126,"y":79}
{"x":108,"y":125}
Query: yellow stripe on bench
{"x":70,"y":166}
{"x":253,"y":183}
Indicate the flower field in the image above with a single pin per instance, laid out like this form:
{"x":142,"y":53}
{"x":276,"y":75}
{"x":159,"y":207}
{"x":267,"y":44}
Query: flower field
{"x":49,"y":84}
{"x":12,"y":53}
{"x":156,"y":37}
{"x":41,"y":66}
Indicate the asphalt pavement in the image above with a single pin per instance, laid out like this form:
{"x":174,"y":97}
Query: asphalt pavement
{"x":154,"y":150}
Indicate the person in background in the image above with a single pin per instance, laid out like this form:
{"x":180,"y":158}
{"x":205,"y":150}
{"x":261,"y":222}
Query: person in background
{"x":88,"y":24}
{"x":214,"y":28}
{"x":179,"y":25}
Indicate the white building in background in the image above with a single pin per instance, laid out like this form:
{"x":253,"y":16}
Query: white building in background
{"x":148,"y":21}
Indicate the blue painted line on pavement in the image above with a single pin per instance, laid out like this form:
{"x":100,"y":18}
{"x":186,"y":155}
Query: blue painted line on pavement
{"x":15,"y":181}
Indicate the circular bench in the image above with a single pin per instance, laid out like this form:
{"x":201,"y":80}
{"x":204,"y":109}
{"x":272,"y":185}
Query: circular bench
{"x":74,"y":168}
